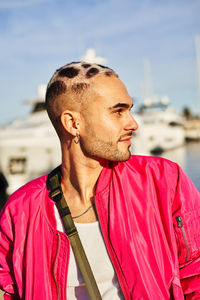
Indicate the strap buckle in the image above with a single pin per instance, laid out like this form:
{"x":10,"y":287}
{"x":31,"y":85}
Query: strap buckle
{"x":56,"y":194}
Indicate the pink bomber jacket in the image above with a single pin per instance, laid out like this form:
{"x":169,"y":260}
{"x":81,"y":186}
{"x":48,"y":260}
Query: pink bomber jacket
{"x":149,"y":213}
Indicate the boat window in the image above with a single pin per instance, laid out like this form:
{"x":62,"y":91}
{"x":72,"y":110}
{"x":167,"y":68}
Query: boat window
{"x":17,"y":165}
{"x":39,"y":106}
{"x":173,"y":124}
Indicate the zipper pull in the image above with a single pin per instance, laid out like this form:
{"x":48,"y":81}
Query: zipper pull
{"x":179,"y":221}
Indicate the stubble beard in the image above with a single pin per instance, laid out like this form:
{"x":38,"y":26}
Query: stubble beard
{"x":98,"y":148}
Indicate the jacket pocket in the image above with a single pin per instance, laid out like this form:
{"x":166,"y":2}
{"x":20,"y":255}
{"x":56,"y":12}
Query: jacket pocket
{"x":187,"y":232}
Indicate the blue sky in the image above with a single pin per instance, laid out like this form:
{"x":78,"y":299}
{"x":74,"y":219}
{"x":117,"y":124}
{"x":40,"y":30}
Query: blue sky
{"x":38,"y":36}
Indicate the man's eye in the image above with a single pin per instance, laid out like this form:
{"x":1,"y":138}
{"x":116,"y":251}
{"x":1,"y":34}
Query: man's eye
{"x":119,"y":111}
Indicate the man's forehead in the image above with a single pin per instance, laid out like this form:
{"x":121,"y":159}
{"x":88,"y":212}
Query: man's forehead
{"x":111,"y":90}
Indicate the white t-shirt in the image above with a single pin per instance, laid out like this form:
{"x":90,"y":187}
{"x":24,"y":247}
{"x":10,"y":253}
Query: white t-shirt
{"x":93,"y":243}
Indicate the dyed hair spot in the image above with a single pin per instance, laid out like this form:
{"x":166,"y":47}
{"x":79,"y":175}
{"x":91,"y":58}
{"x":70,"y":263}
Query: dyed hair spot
{"x":85,"y":66}
{"x":56,"y":88}
{"x":73,"y":63}
{"x":69,"y":72}
{"x":104,"y":67}
{"x":91,"y":72}
{"x":109,"y":73}
{"x":79,"y":87}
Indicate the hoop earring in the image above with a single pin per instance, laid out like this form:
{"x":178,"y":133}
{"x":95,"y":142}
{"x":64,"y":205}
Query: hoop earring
{"x":76,"y":138}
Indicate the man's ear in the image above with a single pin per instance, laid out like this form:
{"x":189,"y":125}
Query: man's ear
{"x":69,"y":120}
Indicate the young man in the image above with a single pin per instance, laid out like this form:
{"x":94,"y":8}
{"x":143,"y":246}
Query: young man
{"x":138,"y":217}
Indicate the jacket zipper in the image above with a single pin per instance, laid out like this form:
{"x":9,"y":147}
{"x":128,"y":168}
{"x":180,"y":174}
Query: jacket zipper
{"x":54,"y":265}
{"x":180,"y":225}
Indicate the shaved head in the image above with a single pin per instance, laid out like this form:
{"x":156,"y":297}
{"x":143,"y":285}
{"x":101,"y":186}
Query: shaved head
{"x":70,"y":88}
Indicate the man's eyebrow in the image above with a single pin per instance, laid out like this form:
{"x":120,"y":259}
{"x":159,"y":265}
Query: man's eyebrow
{"x":121,"y":105}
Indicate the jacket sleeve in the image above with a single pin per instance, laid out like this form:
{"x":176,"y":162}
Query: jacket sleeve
{"x":186,"y":220}
{"x":6,"y":250}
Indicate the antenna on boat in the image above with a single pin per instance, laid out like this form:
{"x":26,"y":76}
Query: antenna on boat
{"x":148,"y":83}
{"x":91,"y":57}
{"x":42,"y":91}
{"x":197,"y":46}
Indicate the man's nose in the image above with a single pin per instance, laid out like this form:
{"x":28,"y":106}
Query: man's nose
{"x":131,"y":123}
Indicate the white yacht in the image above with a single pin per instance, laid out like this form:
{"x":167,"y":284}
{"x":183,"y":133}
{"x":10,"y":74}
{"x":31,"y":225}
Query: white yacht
{"x":30,"y":147}
{"x":192,"y":129}
{"x":160,"y":128}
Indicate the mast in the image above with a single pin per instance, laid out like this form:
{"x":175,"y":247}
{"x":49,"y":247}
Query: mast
{"x":148,"y":83}
{"x":197,"y":46}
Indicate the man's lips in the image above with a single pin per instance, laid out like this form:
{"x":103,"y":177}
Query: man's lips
{"x":126,"y":138}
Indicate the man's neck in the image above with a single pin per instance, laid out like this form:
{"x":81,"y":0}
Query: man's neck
{"x":79,"y":178}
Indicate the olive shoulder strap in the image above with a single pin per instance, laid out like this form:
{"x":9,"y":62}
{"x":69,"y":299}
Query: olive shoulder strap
{"x":56,"y":194}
